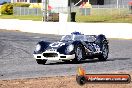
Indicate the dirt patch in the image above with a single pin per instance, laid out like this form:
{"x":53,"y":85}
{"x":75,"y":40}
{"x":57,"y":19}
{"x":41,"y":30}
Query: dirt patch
{"x":4,"y":30}
{"x":55,"y":82}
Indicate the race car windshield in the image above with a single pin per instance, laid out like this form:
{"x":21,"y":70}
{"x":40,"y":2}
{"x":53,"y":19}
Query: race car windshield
{"x":73,"y":37}
{"x":66,"y":38}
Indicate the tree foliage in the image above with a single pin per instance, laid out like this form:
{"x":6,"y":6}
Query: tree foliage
{"x":8,"y":7}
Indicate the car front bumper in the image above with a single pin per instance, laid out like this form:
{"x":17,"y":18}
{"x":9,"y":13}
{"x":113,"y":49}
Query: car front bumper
{"x":50,"y":56}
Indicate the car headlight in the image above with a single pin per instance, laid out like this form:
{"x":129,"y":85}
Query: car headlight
{"x":70,"y":48}
{"x":38,"y":47}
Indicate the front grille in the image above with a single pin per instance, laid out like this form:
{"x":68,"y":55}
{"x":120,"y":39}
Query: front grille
{"x":38,"y":56}
{"x":50,"y":54}
{"x":62,"y":56}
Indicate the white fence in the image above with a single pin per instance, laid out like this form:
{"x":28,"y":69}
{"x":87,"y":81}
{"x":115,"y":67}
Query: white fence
{"x":27,"y":11}
{"x":95,"y":10}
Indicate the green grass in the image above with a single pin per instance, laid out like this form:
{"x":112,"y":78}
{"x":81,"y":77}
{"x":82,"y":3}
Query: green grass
{"x":107,"y":19}
{"x":108,"y":15}
{"x":79,"y":18}
{"x":112,"y":11}
{"x":34,"y":18}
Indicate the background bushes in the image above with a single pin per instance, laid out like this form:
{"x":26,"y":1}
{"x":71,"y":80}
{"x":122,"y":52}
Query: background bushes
{"x":7,"y":8}
{"x":21,"y":4}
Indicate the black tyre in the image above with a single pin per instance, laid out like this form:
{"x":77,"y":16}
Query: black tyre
{"x":39,"y":61}
{"x":66,"y":61}
{"x":81,"y":80}
{"x":104,"y":54}
{"x":78,"y":54}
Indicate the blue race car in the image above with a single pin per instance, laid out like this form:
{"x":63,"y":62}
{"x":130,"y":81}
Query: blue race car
{"x":74,"y":47}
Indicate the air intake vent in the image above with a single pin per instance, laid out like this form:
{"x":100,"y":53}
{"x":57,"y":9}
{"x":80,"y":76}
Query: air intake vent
{"x":50,"y":54}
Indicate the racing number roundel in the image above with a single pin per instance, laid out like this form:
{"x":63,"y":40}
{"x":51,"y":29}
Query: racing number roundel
{"x":57,"y":44}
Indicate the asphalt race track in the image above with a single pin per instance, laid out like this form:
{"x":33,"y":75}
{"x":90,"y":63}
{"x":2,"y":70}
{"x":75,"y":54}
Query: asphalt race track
{"x":16,"y":59}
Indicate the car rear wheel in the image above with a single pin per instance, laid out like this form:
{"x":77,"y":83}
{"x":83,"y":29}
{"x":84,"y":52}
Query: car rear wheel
{"x":104,"y":54}
{"x":39,"y":61}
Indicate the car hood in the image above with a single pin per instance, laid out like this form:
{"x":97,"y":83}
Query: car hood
{"x":59,"y":44}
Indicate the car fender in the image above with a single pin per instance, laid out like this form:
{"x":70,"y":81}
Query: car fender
{"x":43,"y":45}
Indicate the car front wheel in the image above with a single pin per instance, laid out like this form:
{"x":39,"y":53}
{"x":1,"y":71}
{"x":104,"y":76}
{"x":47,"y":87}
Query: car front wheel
{"x":78,"y":54}
{"x":39,"y":61}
